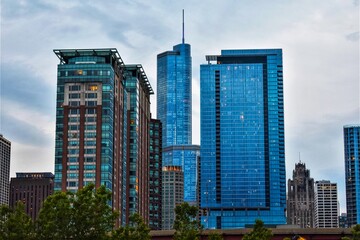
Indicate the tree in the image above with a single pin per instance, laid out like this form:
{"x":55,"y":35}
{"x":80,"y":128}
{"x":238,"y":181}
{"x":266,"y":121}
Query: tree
{"x":135,"y":230}
{"x":186,"y":226}
{"x":214,"y":235}
{"x":84,"y":215}
{"x":355,"y":233}
{"x":55,"y":217}
{"x":259,"y":232}
{"x":93,"y":217}
{"x":15,"y":223}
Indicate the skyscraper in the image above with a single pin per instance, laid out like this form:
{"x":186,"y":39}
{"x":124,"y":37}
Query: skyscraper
{"x":139,"y":91}
{"x":326,"y":205}
{"x":174,"y":94}
{"x":90,"y":115}
{"x":352,"y":172}
{"x":5,"y":149}
{"x":32,"y":189}
{"x":300,"y":201}
{"x":242,"y":169}
{"x":174,"y":110}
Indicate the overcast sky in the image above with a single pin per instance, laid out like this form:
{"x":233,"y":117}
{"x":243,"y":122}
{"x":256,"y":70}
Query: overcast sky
{"x":320,"y":42}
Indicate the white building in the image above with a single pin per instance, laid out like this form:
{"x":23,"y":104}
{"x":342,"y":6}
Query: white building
{"x":5,"y":147}
{"x":326,"y":205}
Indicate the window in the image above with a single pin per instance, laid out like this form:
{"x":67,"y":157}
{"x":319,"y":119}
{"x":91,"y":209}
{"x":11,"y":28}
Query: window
{"x":74,"y":88}
{"x":92,"y":87}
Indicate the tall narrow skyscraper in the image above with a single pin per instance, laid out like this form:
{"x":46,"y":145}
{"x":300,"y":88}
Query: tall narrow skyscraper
{"x":242,"y":169}
{"x":174,"y":79}
{"x":174,"y":94}
{"x":300,"y":201}
{"x":352,"y":172}
{"x":139,"y":91}
{"x":5,"y":149}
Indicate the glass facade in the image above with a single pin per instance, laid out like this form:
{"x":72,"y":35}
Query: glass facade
{"x":352,"y":173}
{"x":242,"y":164}
{"x":174,"y":95}
{"x":187,"y":157}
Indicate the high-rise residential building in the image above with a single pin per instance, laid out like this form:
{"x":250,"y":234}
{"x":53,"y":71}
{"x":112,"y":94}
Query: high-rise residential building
{"x":172,"y":194}
{"x":326,"y":205}
{"x":174,"y":110}
{"x":102,"y":127}
{"x":32,"y":189}
{"x":242,"y":166}
{"x":300,"y":199}
{"x":352,"y":172}
{"x":155,"y":181}
{"x":139,"y":89}
{"x":5,"y":149}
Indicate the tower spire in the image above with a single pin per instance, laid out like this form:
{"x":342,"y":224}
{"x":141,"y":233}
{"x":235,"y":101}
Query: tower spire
{"x":183,"y":27}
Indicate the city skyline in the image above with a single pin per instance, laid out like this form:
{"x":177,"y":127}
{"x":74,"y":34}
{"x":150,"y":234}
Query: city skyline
{"x":320,"y":43}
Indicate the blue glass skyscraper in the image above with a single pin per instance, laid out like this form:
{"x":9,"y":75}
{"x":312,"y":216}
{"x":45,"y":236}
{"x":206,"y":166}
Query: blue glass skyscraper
{"x":352,"y":172}
{"x":242,"y":167}
{"x":174,"y":94}
{"x":174,"y":111}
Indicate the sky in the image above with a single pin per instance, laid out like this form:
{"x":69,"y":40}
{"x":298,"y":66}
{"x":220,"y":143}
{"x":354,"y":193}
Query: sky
{"x":320,"y":42}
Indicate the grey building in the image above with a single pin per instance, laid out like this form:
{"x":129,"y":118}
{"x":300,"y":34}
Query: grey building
{"x":300,"y":200}
{"x":5,"y":147}
{"x":172,"y":194}
{"x":326,"y":205}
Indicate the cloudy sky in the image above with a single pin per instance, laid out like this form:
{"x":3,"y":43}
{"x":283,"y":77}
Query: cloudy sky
{"x":320,"y":42}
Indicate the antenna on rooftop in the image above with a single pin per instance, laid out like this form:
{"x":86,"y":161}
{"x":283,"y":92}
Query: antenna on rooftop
{"x":299,"y":158}
{"x":183,"y":27}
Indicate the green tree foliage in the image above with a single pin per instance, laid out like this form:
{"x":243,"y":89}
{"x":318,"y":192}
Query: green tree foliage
{"x":135,"y":230}
{"x":259,"y":232}
{"x":84,"y":215}
{"x":214,"y":235}
{"x":186,"y":226}
{"x":54,"y":220}
{"x":15,"y":223}
{"x":355,"y":233}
